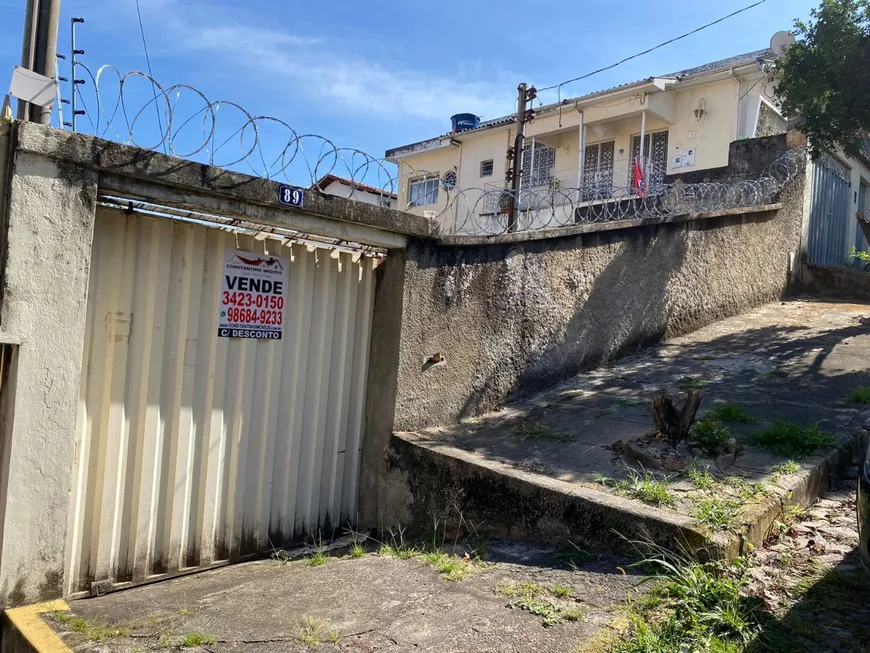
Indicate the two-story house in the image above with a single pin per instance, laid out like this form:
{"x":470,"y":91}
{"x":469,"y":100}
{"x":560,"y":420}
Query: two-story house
{"x":592,"y":145}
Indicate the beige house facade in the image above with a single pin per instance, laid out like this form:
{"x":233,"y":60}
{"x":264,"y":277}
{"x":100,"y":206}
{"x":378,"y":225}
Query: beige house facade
{"x":591,"y":145}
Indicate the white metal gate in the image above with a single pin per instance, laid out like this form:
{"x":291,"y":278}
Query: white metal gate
{"x":194,"y":449}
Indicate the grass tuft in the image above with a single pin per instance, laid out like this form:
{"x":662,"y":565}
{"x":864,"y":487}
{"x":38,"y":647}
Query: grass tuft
{"x":860,"y":395}
{"x":309,"y":632}
{"x":646,"y":488}
{"x":690,"y":383}
{"x":793,"y":440}
{"x":700,"y":477}
{"x":705,"y":610}
{"x":453,"y":567}
{"x":717,"y":512}
{"x":710,"y":435}
{"x":317,"y":558}
{"x":731,"y":413}
{"x":533,"y":432}
{"x":357,"y":551}
{"x":194,"y":639}
{"x":86,"y":629}
{"x":788,"y":467}
{"x":562,"y":591}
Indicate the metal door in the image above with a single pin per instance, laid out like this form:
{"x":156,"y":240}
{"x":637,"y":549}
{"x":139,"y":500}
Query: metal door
{"x":861,"y":244}
{"x":829,"y":215}
{"x":194,"y":449}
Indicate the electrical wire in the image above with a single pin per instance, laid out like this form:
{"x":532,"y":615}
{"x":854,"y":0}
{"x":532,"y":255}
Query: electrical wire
{"x":151,"y":75}
{"x":652,"y":49}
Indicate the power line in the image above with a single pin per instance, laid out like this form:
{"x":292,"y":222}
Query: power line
{"x":151,"y":75}
{"x":652,"y":49}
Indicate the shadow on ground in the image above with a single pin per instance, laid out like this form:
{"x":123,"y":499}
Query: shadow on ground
{"x":832,"y":614}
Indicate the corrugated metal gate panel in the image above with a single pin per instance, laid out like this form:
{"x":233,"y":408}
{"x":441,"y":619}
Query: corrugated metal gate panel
{"x":828,"y":232}
{"x":194,"y":449}
{"x":861,"y":244}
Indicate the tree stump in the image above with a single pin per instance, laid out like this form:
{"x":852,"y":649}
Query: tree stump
{"x":673,"y":423}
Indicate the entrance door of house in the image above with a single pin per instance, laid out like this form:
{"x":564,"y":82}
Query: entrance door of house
{"x":194,"y":448}
{"x":829,"y":214}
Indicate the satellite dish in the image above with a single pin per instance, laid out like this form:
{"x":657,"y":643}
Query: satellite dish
{"x":781,"y":42}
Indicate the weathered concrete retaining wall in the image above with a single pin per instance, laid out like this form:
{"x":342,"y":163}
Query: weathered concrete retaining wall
{"x":516,"y":317}
{"x":425,"y":484}
{"x":848,"y":283}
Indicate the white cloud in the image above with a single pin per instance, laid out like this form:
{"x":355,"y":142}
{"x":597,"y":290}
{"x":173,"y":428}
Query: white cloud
{"x":316,"y":69}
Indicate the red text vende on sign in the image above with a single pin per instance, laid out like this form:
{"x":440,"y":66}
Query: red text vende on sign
{"x":253,"y":295}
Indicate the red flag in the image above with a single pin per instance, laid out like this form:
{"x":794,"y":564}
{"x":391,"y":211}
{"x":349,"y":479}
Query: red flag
{"x":639,"y":184}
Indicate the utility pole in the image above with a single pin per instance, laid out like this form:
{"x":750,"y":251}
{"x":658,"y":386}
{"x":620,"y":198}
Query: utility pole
{"x":515,"y":154}
{"x":38,"y":50}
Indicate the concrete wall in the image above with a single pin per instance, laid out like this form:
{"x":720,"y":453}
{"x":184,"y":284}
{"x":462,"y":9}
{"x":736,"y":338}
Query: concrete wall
{"x":845,"y":283}
{"x":48,"y":246}
{"x":515,"y":317}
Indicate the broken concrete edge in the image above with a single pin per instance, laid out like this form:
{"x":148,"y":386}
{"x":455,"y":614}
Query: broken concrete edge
{"x":801,"y":489}
{"x":556,"y":508}
{"x":426,"y":481}
{"x":25,"y":631}
{"x":595,"y":227}
{"x":113,"y":158}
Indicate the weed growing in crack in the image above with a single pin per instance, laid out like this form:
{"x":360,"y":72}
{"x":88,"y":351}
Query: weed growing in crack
{"x":731,"y":413}
{"x":710,"y":435}
{"x":194,"y":639}
{"x":309,"y":633}
{"x":793,"y":440}
{"x":646,"y":488}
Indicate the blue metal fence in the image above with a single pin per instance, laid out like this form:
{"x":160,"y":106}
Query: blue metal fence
{"x":829,"y":215}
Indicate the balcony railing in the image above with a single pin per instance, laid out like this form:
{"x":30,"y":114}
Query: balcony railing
{"x":565,"y":187}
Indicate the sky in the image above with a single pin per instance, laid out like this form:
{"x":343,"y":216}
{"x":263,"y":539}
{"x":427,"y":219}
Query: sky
{"x":378,"y":74}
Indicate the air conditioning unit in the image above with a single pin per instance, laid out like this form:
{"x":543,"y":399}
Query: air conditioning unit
{"x":430,"y":214}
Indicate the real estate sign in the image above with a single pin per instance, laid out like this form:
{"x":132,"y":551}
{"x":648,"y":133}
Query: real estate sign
{"x":253,"y":294}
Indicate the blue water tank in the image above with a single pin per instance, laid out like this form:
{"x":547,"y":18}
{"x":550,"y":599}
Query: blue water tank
{"x":464,"y":121}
